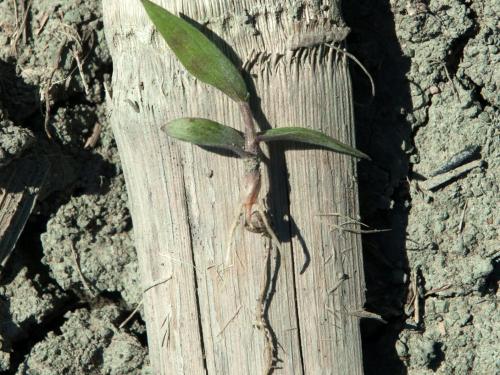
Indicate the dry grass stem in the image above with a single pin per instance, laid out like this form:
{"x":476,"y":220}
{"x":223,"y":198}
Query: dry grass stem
{"x":156,"y":283}
{"x":343,"y":278}
{"x":94,"y":137}
{"x":131,"y":314}
{"x":461,"y":224}
{"x":440,"y":180}
{"x":42,"y":22}
{"x":437,"y":290}
{"x":20,"y":29}
{"x":79,"y":64}
{"x":358,"y":231}
{"x":142,"y":300}
{"x":229,"y":321}
{"x":80,"y":273}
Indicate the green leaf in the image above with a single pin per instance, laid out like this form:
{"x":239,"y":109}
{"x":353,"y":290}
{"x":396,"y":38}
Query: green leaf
{"x":197,"y":53}
{"x":309,"y":136}
{"x":203,"y":132}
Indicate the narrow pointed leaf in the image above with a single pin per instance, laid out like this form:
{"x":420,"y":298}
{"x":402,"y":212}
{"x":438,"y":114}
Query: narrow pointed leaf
{"x":312,"y":137}
{"x":197,"y":53}
{"x":203,"y":132}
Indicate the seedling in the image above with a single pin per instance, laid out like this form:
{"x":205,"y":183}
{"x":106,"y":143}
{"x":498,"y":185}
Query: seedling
{"x":208,"y":64}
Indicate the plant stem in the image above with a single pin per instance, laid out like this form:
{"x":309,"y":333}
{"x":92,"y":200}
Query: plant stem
{"x":252,"y":163}
{"x":251,"y":144}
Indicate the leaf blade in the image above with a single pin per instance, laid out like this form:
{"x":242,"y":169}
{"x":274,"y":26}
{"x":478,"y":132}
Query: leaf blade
{"x":309,"y":136}
{"x":204,"y":132}
{"x":197,"y":53}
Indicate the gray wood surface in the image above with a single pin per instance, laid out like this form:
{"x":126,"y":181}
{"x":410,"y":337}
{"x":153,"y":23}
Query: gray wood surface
{"x":20,"y":183}
{"x":183,"y":199}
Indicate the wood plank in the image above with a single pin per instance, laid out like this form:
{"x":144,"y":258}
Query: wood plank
{"x":20,"y":183}
{"x":183,"y":199}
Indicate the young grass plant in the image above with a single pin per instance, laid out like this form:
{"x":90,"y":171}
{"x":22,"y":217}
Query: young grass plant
{"x":208,"y":64}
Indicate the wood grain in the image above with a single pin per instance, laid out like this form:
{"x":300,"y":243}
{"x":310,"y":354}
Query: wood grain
{"x":183,"y":199}
{"x":20,"y":183}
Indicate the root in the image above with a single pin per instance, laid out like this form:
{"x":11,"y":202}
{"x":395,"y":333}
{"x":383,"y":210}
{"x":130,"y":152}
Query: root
{"x":235,"y":225}
{"x":263,"y":300}
{"x":261,"y":322}
{"x":269,"y":230}
{"x":166,"y":324}
{"x":257,"y":222}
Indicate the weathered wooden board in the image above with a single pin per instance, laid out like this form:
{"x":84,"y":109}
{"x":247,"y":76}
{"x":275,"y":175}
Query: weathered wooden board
{"x":20,"y":183}
{"x":183,"y":199}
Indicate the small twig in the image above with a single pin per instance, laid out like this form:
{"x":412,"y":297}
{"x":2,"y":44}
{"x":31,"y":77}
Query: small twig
{"x":43,"y":22}
{"x":21,"y":29}
{"x":343,"y":278}
{"x":439,"y":180}
{"x":341,"y":226}
{"x":416,"y":299}
{"x":437,"y":290}
{"x":72,"y":34}
{"x":229,"y":321}
{"x":79,"y":64}
{"x":131,"y":314}
{"x":461,"y":224}
{"x":79,"y":271}
{"x":156,"y":283}
{"x":94,"y":137}
{"x":142,"y":301}
{"x":451,"y":81}
{"x":25,"y":21}
{"x":336,"y":214}
{"x":456,"y":160}
{"x":16,"y":15}
{"x":360,"y":231}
